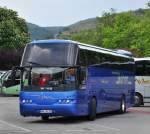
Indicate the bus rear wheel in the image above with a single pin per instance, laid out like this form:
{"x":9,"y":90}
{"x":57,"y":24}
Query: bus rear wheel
{"x":138,"y":100}
{"x":92,"y":109}
{"x":122,"y":105}
{"x":45,"y":118}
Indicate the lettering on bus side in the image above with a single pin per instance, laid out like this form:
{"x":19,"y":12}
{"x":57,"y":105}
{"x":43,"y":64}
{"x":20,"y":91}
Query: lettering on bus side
{"x":122,"y":80}
{"x":142,"y":81}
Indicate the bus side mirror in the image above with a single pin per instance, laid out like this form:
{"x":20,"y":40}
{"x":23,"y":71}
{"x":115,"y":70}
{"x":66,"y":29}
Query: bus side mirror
{"x":13,"y":73}
{"x":82,"y":76}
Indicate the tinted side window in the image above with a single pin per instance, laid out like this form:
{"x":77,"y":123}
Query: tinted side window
{"x":140,"y":68}
{"x":91,"y":58}
{"x":147,"y":68}
{"x":81,"y":60}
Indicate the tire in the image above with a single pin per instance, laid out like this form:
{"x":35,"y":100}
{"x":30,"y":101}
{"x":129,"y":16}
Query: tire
{"x":122,"y":105}
{"x":45,"y":118}
{"x":92,"y":109}
{"x":138,"y":100}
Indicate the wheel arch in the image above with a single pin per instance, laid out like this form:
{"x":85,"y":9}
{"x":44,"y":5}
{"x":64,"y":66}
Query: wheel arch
{"x":123,"y":96}
{"x":138,"y":93}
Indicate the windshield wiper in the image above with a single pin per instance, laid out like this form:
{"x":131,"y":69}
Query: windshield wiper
{"x":35,"y":63}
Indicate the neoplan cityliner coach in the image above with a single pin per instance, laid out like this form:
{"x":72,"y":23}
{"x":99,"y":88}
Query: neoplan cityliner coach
{"x":68,"y":78}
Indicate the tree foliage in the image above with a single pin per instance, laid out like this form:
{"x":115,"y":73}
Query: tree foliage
{"x":148,"y":4}
{"x":128,"y":30}
{"x":13,"y":37}
{"x":13,"y":30}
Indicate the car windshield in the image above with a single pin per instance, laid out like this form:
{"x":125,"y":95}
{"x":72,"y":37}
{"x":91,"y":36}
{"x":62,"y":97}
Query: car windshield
{"x":49,"y":54}
{"x":49,"y":79}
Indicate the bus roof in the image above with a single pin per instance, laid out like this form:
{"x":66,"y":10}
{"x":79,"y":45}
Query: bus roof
{"x":52,"y":41}
{"x":83,"y":46}
{"x":141,"y":59}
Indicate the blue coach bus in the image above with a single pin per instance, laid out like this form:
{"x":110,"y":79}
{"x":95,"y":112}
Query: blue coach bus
{"x":68,"y":78}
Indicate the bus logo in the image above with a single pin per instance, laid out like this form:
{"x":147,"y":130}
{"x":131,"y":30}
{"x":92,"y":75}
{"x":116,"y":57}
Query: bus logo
{"x":44,"y":97}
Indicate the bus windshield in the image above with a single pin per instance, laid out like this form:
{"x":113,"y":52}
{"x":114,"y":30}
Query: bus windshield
{"x":49,"y":79}
{"x":49,"y":54}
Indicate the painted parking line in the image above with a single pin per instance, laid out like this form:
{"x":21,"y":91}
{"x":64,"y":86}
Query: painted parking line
{"x":48,"y":130}
{"x":12,"y":131}
{"x":105,"y":127}
{"x":75,"y":130}
{"x":15,"y":126}
{"x":92,"y":127}
{"x":139,"y":111}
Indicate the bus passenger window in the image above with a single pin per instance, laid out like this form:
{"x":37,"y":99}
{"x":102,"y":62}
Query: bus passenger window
{"x":139,"y":70}
{"x":81,"y":60}
{"x":147,"y":69}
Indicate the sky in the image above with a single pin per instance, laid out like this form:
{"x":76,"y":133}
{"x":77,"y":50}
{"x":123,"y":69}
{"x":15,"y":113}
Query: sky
{"x":66,"y":12}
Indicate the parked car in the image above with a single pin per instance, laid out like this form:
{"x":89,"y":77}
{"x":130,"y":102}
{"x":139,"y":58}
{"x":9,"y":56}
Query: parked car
{"x":9,"y":86}
{"x":2,"y":73}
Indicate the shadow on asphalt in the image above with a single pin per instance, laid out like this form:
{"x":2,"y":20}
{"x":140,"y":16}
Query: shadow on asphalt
{"x":73,"y":120}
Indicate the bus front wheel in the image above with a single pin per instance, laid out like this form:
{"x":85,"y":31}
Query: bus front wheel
{"x":92,"y":109}
{"x":45,"y":118}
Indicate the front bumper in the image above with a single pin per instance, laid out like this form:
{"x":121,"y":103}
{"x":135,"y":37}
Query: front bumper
{"x":56,"y":110}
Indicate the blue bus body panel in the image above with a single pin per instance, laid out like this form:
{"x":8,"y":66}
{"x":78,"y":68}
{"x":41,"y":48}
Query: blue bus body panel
{"x":51,"y":101}
{"x":109,"y":85}
{"x":106,"y":85}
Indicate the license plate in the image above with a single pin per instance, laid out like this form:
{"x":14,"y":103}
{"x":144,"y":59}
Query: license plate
{"x":46,"y":111}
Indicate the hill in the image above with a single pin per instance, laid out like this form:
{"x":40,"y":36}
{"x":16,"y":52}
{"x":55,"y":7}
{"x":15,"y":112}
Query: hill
{"x":37,"y":32}
{"x":83,"y":25}
{"x":128,"y":30}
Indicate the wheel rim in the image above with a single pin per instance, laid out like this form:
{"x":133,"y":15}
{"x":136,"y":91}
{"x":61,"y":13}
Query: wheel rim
{"x":136,"y":100}
{"x":123,"y":105}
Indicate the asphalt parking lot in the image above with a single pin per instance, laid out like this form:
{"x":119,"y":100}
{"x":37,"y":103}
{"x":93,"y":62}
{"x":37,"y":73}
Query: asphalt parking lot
{"x":135,"y":121}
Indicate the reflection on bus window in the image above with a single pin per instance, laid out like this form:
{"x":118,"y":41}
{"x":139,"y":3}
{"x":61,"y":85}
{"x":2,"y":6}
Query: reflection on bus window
{"x":50,"y":78}
{"x":70,"y":75}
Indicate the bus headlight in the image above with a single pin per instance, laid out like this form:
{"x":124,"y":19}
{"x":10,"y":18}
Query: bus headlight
{"x":27,"y":101}
{"x":23,"y":101}
{"x":66,"y":101}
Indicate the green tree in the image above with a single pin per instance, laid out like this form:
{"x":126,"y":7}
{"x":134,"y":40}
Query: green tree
{"x":127,"y":30}
{"x":148,"y":4}
{"x":130,"y":32}
{"x":13,"y":30}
